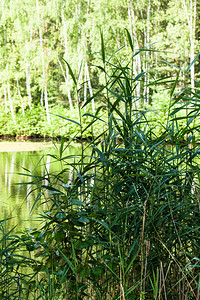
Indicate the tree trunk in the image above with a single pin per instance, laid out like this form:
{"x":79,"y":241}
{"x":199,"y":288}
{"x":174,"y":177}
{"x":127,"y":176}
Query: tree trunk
{"x":5,"y":99}
{"x":65,"y":56}
{"x":90,"y":86}
{"x":28,"y":85}
{"x":11,"y":103}
{"x":66,"y":77}
{"x":147,"y":52}
{"x":43,"y":68}
{"x":191,"y":17}
{"x":136,"y":64}
{"x":192,"y":40}
{"x":85,"y":87}
{"x":20,"y":96}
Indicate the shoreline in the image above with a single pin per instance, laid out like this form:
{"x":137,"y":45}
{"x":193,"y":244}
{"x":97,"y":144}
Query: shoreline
{"x":22,"y":146}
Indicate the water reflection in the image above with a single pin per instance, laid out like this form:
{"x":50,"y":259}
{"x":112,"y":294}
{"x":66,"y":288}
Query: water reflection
{"x":16,"y":196}
{"x":16,"y":200}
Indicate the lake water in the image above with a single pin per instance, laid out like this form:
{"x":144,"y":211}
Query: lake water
{"x":16,"y":158}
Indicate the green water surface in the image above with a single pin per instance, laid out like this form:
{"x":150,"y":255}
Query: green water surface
{"x":16,"y":201}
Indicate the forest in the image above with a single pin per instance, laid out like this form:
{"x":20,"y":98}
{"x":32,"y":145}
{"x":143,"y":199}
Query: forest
{"x":119,"y":218}
{"x":37,"y":37}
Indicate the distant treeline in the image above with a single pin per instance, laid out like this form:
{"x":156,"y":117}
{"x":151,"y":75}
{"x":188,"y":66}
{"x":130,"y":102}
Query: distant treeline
{"x":35,"y":36}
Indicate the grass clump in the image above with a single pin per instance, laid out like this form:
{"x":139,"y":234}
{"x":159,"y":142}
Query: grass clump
{"x":122,"y":219}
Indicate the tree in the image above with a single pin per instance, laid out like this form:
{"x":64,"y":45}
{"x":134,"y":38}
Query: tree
{"x":36,"y":35}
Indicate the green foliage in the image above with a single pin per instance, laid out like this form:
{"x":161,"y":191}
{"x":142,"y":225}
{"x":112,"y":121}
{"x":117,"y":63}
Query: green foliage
{"x":121,"y":219}
{"x":35,"y":36}
{"x":12,"y":262}
{"x":34,"y":123}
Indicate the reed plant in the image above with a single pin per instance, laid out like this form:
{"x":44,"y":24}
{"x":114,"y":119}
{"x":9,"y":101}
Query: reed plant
{"x":125,"y":223}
